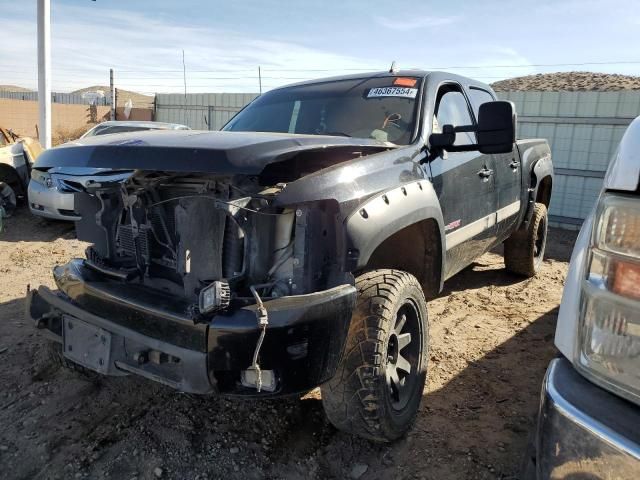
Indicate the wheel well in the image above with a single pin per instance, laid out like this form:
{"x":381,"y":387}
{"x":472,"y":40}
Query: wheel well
{"x":415,"y":249}
{"x":10,"y":176}
{"x":544,"y":191}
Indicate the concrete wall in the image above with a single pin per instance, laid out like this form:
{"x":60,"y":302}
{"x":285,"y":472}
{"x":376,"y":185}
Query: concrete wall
{"x":22,"y":116}
{"x":68,"y":121}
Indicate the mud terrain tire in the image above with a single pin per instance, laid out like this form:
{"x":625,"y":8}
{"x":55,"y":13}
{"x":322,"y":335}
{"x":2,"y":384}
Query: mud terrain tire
{"x":372,"y":394}
{"x":524,"y":249}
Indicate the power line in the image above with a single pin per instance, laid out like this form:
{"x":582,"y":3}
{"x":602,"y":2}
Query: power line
{"x":373,"y":68}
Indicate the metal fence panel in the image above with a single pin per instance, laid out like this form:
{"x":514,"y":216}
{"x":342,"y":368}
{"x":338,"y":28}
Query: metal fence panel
{"x":201,"y":111}
{"x":583,"y":130}
{"x":68,"y":98}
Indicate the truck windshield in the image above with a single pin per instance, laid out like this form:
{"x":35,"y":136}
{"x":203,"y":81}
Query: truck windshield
{"x":380,"y":108}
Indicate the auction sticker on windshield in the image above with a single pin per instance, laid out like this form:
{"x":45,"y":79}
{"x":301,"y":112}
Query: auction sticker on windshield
{"x":393,"y":92}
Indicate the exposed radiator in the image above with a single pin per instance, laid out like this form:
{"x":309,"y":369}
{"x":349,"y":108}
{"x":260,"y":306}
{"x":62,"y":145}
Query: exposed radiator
{"x":127,"y":243}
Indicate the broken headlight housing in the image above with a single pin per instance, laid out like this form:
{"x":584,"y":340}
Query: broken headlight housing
{"x":609,"y":330}
{"x":42,"y":178}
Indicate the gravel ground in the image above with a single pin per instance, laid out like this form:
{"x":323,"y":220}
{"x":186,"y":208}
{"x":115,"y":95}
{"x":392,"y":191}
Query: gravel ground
{"x":491,"y":340}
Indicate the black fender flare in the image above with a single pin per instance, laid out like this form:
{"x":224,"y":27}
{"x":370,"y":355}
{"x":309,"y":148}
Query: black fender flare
{"x":536,"y":161}
{"x":387,"y":213}
{"x":542,"y":169}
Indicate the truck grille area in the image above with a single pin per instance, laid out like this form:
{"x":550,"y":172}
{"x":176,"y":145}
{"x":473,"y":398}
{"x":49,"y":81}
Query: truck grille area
{"x":179,"y":234}
{"x":131,"y":246}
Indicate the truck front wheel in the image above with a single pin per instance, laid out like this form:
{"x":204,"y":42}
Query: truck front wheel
{"x":377,"y":389}
{"x":524,"y":249}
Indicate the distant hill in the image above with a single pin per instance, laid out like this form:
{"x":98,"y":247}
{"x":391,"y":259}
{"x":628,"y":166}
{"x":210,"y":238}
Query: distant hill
{"x":14,"y":88}
{"x":138,"y":99}
{"x":569,"y":81}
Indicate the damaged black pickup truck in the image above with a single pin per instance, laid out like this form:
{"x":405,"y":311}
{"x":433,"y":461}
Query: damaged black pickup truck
{"x":296,"y":247}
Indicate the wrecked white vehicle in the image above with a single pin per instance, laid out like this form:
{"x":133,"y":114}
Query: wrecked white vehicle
{"x":17,"y":155}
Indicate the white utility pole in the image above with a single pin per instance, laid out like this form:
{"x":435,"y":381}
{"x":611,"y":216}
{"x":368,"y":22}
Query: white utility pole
{"x":44,"y":71}
{"x":112,"y":87}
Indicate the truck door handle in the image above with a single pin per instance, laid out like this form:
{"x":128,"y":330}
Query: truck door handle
{"x":485,"y":173}
{"x":514,"y":164}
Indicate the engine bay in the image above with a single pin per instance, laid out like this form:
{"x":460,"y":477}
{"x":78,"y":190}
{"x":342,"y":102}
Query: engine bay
{"x":214,"y":241}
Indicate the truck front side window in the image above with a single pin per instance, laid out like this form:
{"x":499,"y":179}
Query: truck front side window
{"x":453,"y":110}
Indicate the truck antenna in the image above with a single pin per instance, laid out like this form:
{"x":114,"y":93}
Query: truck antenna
{"x":393,"y":68}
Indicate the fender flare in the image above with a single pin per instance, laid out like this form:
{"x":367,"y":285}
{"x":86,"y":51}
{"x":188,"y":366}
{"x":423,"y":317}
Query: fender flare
{"x":542,"y":168}
{"x":387,"y":213}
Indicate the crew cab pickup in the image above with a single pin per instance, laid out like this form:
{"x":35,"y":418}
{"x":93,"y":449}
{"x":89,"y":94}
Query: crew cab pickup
{"x":296,"y":247}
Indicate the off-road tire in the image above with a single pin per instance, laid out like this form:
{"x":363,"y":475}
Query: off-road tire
{"x":524,"y":249}
{"x":57,"y":359}
{"x":359,"y":398}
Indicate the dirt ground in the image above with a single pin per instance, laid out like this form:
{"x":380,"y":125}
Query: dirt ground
{"x":491,"y":340}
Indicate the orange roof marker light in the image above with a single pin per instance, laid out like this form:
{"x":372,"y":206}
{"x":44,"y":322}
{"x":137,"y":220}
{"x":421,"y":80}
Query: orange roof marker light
{"x":405,"y":81}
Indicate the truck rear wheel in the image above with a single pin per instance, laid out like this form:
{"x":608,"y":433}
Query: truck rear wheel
{"x":524,"y":249}
{"x":378,"y":387}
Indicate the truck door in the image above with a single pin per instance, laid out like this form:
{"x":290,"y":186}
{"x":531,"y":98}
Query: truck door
{"x":465,"y":184}
{"x":508,"y":174}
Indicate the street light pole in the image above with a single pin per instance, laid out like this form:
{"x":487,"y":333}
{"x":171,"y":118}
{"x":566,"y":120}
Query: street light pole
{"x":44,"y":71}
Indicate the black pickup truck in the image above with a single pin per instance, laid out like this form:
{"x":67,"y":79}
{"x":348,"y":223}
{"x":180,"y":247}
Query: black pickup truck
{"x":295,"y":248}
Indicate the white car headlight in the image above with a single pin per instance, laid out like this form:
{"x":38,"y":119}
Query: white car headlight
{"x":42,"y":177}
{"x":609,"y":330}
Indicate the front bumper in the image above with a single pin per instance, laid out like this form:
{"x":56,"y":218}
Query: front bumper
{"x":51,"y":203}
{"x":583,"y":430}
{"x":303,"y":343}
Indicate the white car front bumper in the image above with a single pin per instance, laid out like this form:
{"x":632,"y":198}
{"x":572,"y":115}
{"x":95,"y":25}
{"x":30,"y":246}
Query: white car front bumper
{"x":51,"y":202}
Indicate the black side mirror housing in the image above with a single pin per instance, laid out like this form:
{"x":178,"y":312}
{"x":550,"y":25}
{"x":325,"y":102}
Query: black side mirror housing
{"x":496,"y":131}
{"x":496,"y":127}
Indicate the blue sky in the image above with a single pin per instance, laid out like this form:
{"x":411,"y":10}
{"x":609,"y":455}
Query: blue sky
{"x":224,"y":42}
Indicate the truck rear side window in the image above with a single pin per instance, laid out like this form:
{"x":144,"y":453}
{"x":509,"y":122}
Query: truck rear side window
{"x":478,"y":97}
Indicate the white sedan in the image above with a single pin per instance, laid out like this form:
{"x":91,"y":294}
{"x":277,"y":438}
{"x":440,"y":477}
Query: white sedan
{"x":51,"y":193}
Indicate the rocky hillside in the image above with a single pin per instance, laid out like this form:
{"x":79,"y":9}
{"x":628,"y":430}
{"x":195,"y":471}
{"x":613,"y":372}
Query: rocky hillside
{"x":569,"y":81}
{"x":13,"y":88}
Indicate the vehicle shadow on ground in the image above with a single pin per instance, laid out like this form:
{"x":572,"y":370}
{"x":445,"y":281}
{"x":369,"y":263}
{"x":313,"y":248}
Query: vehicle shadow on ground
{"x":23,"y":226}
{"x":559,"y":244}
{"x":474,"y":426}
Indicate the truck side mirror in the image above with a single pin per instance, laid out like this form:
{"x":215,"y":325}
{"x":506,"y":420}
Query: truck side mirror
{"x":496,"y":127}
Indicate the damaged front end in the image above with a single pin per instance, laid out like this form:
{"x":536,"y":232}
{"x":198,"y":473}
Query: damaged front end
{"x":202,"y":282}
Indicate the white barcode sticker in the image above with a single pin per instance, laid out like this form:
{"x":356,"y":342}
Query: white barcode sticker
{"x":393,"y":92}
